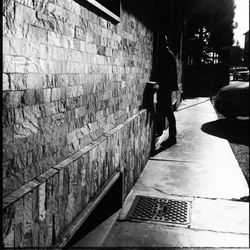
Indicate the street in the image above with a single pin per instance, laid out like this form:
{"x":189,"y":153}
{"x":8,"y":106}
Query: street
{"x":237,"y":133}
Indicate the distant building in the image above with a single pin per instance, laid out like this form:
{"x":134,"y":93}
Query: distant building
{"x":246,"y":49}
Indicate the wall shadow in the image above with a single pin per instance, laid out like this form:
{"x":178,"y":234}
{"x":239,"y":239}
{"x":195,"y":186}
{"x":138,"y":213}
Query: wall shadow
{"x":235,"y":131}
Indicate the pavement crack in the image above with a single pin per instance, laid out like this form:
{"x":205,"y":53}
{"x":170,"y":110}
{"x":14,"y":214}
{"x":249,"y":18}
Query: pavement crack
{"x":192,"y":105}
{"x":159,"y":190}
{"x":152,"y":159}
{"x":242,"y":199}
{"x":217,"y":231}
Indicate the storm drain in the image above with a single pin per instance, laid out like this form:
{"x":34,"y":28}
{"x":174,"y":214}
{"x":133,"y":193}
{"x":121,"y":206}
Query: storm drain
{"x":161,"y":210}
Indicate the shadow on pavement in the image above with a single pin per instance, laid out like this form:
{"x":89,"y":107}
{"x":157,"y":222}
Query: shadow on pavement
{"x":164,"y":145}
{"x":235,"y":131}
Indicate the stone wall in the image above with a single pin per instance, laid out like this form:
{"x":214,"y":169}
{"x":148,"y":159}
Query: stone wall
{"x":73,"y":85}
{"x":37,"y":213}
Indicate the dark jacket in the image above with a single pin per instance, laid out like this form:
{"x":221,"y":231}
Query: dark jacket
{"x":167,"y":72}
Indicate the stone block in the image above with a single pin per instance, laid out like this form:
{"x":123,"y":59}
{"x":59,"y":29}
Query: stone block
{"x":40,"y":5}
{"x":35,"y":65}
{"x":68,"y":29}
{"x":6,"y":82}
{"x":46,"y":22}
{"x":30,"y":173}
{"x":39,"y":96}
{"x":18,"y":81}
{"x":19,"y":223}
{"x":12,"y":99}
{"x":54,"y":39}
{"x":8,"y":135}
{"x":93,"y":17}
{"x":28,"y":3}
{"x":9,"y":14}
{"x":76,"y":44}
{"x":103,"y":22}
{"x":12,"y":46}
{"x":73,"y":7}
{"x":36,"y":81}
{"x":48,"y":109}
{"x":61,"y":80}
{"x":8,"y":220}
{"x":75,"y":188}
{"x":42,"y":208}
{"x":21,"y":64}
{"x":24,"y":14}
{"x":108,"y":52}
{"x":7,"y":168}
{"x":85,"y":140}
{"x":46,"y":95}
{"x":44,"y":51}
{"x":25,"y":129}
{"x":62,"y":198}
{"x":28,"y":97}
{"x":42,"y":216}
{"x":28,"y":221}
{"x":55,"y":94}
{"x":29,"y":49}
{"x":35,"y":217}
{"x":101,"y":50}
{"x":36,"y":34}
{"x":32,"y":113}
{"x":49,"y":212}
{"x":89,"y":178}
{"x":57,"y":12}
{"x":9,"y":64}
{"x":82,"y":46}
{"x":72,"y":92}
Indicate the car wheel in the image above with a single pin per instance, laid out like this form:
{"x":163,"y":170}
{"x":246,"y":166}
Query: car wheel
{"x":230,"y":114}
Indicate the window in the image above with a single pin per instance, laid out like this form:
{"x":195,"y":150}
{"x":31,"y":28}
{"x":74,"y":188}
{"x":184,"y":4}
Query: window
{"x":109,"y":7}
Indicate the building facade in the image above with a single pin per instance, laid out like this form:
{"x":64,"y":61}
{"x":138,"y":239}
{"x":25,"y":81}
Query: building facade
{"x":246,"y":49}
{"x":74,"y":74}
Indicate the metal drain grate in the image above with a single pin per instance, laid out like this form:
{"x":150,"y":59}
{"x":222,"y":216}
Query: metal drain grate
{"x":161,"y":210}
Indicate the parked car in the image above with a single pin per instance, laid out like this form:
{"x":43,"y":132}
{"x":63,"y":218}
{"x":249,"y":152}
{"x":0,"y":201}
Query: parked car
{"x":233,"y":100}
{"x":231,"y":70}
{"x":241,"y":73}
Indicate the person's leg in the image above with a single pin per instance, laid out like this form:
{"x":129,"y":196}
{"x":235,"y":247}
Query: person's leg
{"x":172,"y":129}
{"x":171,"y":118}
{"x":159,"y":123}
{"x":172,"y":123}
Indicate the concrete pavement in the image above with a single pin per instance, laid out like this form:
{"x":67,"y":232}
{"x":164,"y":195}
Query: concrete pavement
{"x":200,"y":168}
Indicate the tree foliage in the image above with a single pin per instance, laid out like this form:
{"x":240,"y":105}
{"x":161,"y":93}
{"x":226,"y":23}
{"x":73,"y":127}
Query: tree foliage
{"x":210,"y":25}
{"x":222,"y":22}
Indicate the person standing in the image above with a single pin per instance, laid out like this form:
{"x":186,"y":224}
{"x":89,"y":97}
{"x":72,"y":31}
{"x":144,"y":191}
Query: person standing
{"x":167,"y":81}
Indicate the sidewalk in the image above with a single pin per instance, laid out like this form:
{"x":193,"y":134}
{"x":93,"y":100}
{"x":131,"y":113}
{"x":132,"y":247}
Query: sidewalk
{"x":200,"y":169}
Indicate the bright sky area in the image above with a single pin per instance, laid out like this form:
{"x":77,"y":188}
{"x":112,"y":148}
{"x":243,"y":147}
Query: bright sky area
{"x":242,"y":18}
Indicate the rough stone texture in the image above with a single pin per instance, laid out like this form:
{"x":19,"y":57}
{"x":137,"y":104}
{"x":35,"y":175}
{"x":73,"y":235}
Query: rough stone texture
{"x":46,"y":206}
{"x":88,"y":76}
{"x":73,"y":85}
{"x":8,"y":226}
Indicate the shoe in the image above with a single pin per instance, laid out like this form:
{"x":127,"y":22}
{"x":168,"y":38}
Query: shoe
{"x":169,"y":142}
